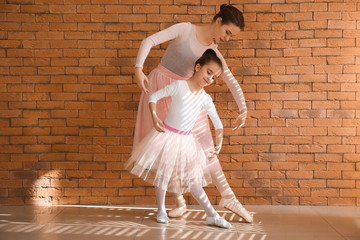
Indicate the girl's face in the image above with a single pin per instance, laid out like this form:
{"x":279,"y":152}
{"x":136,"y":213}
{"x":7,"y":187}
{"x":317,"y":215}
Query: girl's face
{"x":223,"y":32}
{"x":207,"y":74}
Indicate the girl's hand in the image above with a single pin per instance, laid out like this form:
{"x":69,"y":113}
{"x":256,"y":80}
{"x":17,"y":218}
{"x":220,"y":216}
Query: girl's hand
{"x":141,"y":79}
{"x":240,"y":120}
{"x":219,"y":140}
{"x":215,"y":152}
{"x":158,"y":124}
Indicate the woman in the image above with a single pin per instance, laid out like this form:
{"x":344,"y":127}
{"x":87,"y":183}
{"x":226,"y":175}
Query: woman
{"x":188,"y":42}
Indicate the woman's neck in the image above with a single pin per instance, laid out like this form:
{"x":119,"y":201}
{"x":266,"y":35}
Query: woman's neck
{"x":204,"y":34}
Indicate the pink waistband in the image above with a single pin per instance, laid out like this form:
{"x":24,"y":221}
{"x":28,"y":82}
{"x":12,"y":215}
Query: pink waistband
{"x":176,"y":131}
{"x":169,"y":73}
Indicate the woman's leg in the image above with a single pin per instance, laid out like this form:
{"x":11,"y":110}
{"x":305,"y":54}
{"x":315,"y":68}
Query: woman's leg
{"x":213,"y":217}
{"x":180,"y":206}
{"x":228,"y":198}
{"x":220,"y":181}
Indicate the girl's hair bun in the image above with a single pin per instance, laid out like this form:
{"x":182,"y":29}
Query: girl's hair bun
{"x":209,"y":51}
{"x":224,"y":6}
{"x":208,"y":56}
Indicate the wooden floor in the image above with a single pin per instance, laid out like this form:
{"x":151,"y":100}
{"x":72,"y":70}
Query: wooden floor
{"x":138,"y":222}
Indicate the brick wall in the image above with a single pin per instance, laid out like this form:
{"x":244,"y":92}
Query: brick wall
{"x":68,"y":101}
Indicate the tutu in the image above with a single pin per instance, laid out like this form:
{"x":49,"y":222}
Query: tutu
{"x":159,"y":78}
{"x":171,"y":160}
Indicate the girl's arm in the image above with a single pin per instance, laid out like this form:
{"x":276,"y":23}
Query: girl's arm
{"x":236,"y":91}
{"x":211,"y":111}
{"x":158,"y":124}
{"x":151,"y":41}
{"x":169,"y":90}
{"x":219,"y":133}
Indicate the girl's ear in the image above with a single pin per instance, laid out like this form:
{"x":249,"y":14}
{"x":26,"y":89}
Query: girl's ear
{"x":219,"y":21}
{"x":197,"y":67}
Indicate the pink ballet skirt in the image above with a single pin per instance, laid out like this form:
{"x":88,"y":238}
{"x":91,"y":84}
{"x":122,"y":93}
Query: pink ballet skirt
{"x":172,"y":160}
{"x":159,"y":78}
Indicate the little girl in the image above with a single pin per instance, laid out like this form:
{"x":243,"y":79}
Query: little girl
{"x":169,"y":157}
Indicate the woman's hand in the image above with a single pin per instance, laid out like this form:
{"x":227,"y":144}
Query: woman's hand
{"x":141,"y":79}
{"x":240,"y":120}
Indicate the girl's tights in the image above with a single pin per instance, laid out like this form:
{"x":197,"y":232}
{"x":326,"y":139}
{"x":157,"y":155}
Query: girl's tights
{"x":160,"y":198}
{"x":198,"y":193}
{"x":221,"y":184}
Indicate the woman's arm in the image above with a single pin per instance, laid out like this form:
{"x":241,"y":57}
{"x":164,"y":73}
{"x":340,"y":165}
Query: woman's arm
{"x":236,"y":91}
{"x":238,"y":95}
{"x":149,"y":42}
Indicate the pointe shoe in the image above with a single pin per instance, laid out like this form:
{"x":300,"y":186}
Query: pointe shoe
{"x":177,"y":212}
{"x":162,"y":218}
{"x":236,"y":207}
{"x":218,"y":221}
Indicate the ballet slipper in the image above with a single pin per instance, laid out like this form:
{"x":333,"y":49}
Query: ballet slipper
{"x":177,"y":212}
{"x":162,"y":218}
{"x":236,"y":207}
{"x":218,"y":221}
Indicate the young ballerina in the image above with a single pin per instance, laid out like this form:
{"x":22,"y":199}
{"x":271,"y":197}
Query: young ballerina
{"x":169,"y":156}
{"x":188,"y":42}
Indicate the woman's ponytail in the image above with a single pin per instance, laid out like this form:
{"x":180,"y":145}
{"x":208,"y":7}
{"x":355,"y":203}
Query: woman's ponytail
{"x":230,"y":14}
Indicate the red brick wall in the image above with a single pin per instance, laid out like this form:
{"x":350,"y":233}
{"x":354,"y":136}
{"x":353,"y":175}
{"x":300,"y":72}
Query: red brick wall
{"x":68,"y":101}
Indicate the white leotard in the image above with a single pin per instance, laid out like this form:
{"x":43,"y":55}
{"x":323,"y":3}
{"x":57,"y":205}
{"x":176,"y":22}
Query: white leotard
{"x":186,"y":106}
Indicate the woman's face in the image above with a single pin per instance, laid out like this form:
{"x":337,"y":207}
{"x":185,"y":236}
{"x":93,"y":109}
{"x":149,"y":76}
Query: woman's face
{"x":223,"y":32}
{"x":207,"y":74}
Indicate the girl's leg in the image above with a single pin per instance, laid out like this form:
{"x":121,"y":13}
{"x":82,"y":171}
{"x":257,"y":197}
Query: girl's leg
{"x":213,"y":217}
{"x":228,"y":199}
{"x":161,"y":212}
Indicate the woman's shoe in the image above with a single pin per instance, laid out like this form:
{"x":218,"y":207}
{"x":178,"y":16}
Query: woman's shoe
{"x":236,"y":207}
{"x":177,"y":212}
{"x":218,"y":221}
